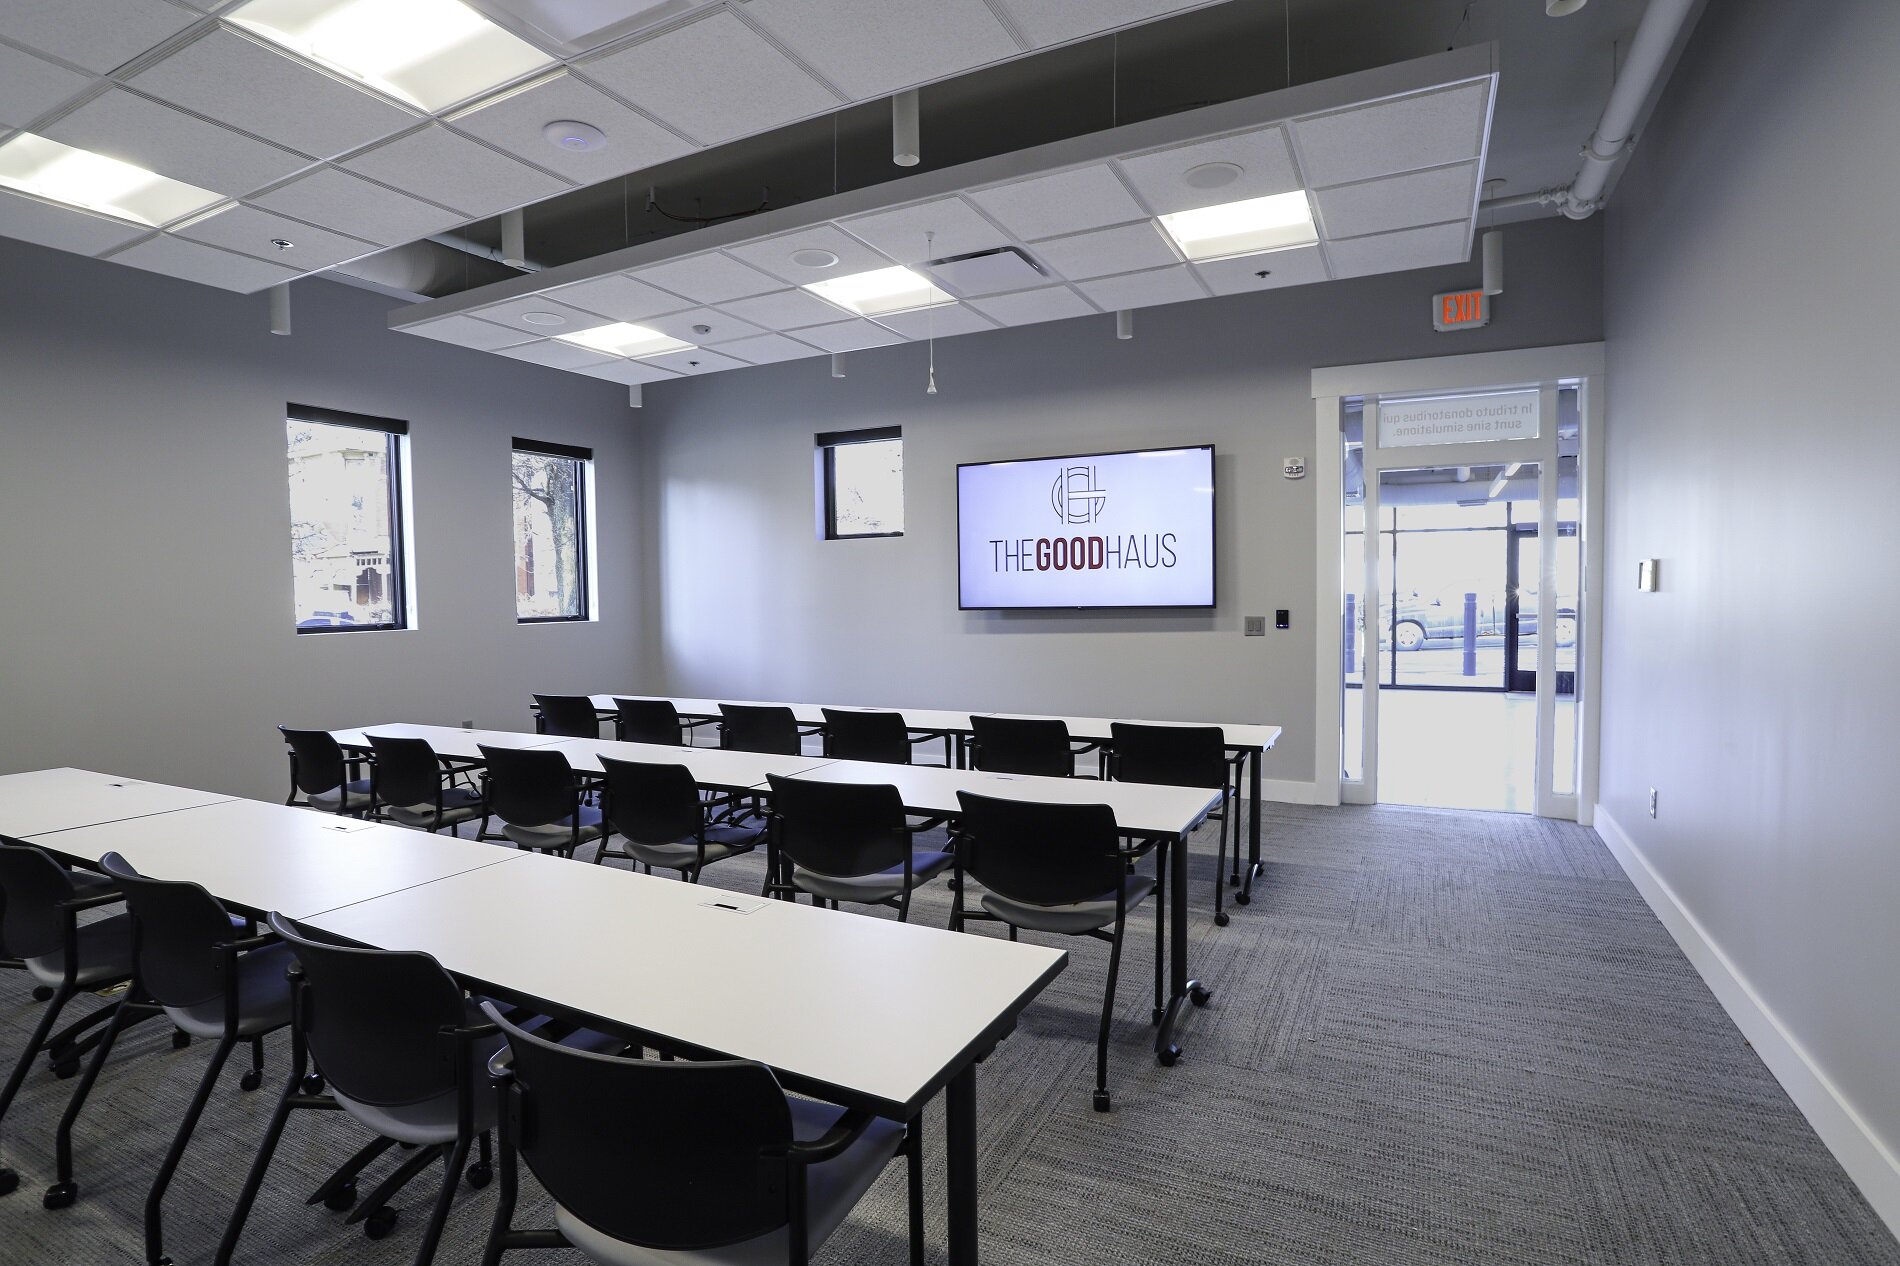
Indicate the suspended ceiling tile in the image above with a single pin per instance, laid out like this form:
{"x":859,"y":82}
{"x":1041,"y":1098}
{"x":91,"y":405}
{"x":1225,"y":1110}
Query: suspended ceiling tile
{"x":557,"y":355}
{"x":620,"y":297}
{"x":627,"y":372}
{"x":901,"y":233}
{"x":175,"y":257}
{"x":872,"y":48}
{"x":514,"y":123}
{"x":1423,"y":130}
{"x":125,"y":125}
{"x":713,"y":80}
{"x":720,"y":328}
{"x":1048,"y":22}
{"x":455,"y":171}
{"x":250,"y":231}
{"x":1398,"y":202}
{"x":242,"y":83}
{"x":362,"y":208}
{"x":514,"y":314}
{"x":63,"y":229}
{"x":100,"y":35}
{"x":1107,"y":251}
{"x":708,"y":278}
{"x":1265,"y":162}
{"x":695,"y":362}
{"x":1241,"y":275}
{"x":774,"y":254}
{"x":29,"y":86}
{"x":466,"y":331}
{"x":783,"y":310}
{"x":943,"y":321}
{"x":768,"y":349}
{"x":1026,"y":307}
{"x":1395,"y":252}
{"x":849,"y":336}
{"x":1142,"y":290}
{"x":1066,"y":202}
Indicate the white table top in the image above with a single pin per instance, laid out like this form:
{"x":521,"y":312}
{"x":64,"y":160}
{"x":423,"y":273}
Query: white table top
{"x":878,"y":1009}
{"x":1097,"y":729}
{"x":59,"y":799}
{"x":274,"y":857}
{"x":711,"y":766}
{"x":1140,"y":808}
{"x":447,"y":740}
{"x":923,"y":719}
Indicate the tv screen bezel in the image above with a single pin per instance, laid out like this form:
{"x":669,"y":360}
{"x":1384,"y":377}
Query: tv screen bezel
{"x":1213,"y":530}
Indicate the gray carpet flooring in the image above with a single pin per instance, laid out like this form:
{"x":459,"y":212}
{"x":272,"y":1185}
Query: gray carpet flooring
{"x":1436,"y":1038}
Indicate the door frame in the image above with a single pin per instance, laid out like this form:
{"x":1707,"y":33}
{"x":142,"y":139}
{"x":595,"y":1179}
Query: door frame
{"x":1542,"y":366}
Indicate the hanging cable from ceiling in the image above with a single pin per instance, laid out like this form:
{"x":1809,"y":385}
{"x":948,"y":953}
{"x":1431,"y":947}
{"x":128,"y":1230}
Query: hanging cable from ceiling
{"x":930,"y":319}
{"x":765,"y":204}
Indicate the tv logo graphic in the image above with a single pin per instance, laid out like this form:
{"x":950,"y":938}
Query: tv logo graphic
{"x":1075,"y":496}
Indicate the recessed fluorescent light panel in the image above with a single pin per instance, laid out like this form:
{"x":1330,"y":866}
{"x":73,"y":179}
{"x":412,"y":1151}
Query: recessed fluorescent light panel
{"x":881,"y":292}
{"x":1243,"y":228}
{"x":92,"y":182}
{"x":622,"y":339}
{"x":430,"y":53}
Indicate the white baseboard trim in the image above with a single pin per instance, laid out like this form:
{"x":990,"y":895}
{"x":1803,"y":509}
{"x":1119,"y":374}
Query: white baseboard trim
{"x":1288,"y":791}
{"x":1868,"y":1162}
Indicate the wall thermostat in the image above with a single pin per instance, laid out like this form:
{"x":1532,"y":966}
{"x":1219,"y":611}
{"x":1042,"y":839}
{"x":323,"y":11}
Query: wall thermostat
{"x":1294,"y":467}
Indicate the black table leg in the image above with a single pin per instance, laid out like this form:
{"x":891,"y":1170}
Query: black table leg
{"x":1245,"y":894}
{"x":1182,"y":989}
{"x":960,"y":1151}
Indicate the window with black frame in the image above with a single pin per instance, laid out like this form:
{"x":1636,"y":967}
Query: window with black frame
{"x":549,"y":483}
{"x":863,"y":482}
{"x":346,"y":544}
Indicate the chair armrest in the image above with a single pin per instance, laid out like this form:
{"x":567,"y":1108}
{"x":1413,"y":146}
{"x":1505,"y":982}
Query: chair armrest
{"x":259,"y":941}
{"x":928,"y":824}
{"x":806,"y":731}
{"x":77,"y":904}
{"x":833,"y":1141}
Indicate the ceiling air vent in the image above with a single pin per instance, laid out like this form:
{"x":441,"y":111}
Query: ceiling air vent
{"x":986,"y":272}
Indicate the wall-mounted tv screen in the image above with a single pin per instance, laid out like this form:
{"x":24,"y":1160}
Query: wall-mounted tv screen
{"x":1091,"y":530}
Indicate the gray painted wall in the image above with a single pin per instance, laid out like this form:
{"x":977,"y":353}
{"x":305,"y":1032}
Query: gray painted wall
{"x":1751,"y":317}
{"x":145,"y":594}
{"x":744,"y":601}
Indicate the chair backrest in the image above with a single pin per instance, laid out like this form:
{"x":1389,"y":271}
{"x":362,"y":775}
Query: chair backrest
{"x":181,"y":929}
{"x":665,"y":1154}
{"x":1011,"y":745}
{"x":1040,"y":854}
{"x":374,"y":1018}
{"x":528,"y":787}
{"x":749,"y":728}
{"x":647,"y":721}
{"x":570,"y":716}
{"x":32,"y":885}
{"x":316,"y":760}
{"x":838,"y":828}
{"x":407,"y":771}
{"x":879,"y":736}
{"x":1176,"y":755}
{"x":651,"y":803}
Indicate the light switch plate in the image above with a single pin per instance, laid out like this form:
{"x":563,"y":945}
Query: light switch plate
{"x":1256,"y":626}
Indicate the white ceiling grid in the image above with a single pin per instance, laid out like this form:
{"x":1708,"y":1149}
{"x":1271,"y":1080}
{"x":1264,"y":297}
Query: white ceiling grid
{"x":173,"y":87}
{"x":1407,"y":143}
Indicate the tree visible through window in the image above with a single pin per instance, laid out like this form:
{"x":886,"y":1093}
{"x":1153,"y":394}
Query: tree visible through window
{"x":864,"y":483}
{"x":345,"y":520}
{"x":550,"y":506}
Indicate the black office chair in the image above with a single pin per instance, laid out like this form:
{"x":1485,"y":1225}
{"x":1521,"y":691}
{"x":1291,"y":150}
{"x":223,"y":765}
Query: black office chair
{"x":1013,"y":745}
{"x":708,"y":1163}
{"x":569,"y":716}
{"x":214,"y":979}
{"x":846,"y":842}
{"x":539,"y":799}
{"x":1182,"y":756}
{"x":1055,"y":868}
{"x":656,"y":811}
{"x":414,"y":787}
{"x":328,"y":779}
{"x":745,"y":727}
{"x":648,"y":721}
{"x":879,"y":736}
{"x":39,"y":920}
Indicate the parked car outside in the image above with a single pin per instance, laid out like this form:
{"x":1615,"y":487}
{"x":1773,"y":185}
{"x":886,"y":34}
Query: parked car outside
{"x":1419,"y":619}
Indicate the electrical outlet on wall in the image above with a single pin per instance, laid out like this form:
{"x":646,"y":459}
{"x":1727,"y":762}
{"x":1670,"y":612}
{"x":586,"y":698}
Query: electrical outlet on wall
{"x":1652,"y":802}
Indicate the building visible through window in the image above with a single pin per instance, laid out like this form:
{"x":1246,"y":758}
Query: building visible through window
{"x":863,"y":482}
{"x":549,"y":485}
{"x":346,"y":549}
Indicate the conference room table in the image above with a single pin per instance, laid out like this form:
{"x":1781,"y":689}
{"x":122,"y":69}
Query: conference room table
{"x":58,"y":799}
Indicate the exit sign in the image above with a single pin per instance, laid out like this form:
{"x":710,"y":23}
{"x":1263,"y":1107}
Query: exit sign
{"x":1461,"y":310}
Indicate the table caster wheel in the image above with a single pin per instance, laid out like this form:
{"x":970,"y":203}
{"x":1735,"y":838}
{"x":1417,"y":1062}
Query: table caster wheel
{"x":251,"y":1080}
{"x":60,"y":1195}
{"x":1199,"y":995}
{"x":341,"y":1199}
{"x":1101,"y":1101}
{"x":312,"y":1083}
{"x":1167,"y":1055}
{"x":180,"y":1039}
{"x":66,"y":1070}
{"x":42,"y":993}
{"x":479,"y":1174}
{"x":1243,"y":898}
{"x":379,"y":1223}
{"x":9,"y":1182}
{"x":1221,"y":919}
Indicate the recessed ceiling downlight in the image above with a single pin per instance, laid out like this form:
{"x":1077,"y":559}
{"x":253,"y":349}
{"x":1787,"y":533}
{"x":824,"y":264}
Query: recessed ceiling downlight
{"x":1211,"y":175}
{"x":543,"y":318}
{"x":574,"y":137}
{"x":812,"y":257}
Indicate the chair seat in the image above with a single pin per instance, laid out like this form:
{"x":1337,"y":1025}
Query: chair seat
{"x":557,"y":834}
{"x":263,"y":993}
{"x":1073,"y":917}
{"x":925,"y":865}
{"x":721,"y":842}
{"x":105,"y":954}
{"x":831,"y":1190}
{"x":332,"y":800}
{"x":459,"y":804}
